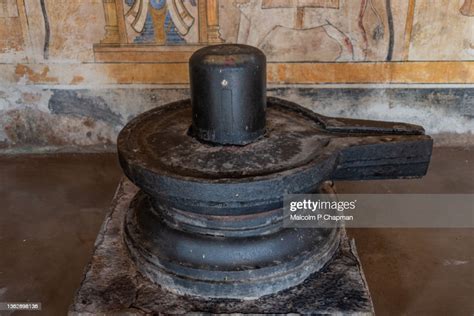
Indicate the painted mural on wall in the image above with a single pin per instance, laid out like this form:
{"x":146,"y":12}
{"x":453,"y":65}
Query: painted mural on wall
{"x":9,"y":20}
{"x":158,"y":23}
{"x":286,"y":30}
{"x":162,"y":22}
{"x":323,"y":30}
{"x":101,"y":46}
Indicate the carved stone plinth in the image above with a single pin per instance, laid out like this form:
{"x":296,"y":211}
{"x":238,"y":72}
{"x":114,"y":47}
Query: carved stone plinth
{"x":112,"y":284}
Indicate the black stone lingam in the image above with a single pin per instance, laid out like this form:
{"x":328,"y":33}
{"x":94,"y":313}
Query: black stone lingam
{"x":228,"y":94}
{"x":213,"y":171}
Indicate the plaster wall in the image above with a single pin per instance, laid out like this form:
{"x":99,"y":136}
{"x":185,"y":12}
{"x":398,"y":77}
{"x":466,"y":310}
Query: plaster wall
{"x":72,"y":73}
{"x":91,"y":118}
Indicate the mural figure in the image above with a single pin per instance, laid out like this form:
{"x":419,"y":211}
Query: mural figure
{"x":323,"y":30}
{"x":467,"y":8}
{"x":160,"y":21}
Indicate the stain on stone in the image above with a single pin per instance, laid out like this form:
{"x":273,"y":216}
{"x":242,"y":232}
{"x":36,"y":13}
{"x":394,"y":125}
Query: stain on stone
{"x":121,"y":291}
{"x":23,"y":71}
{"x":448,"y":99}
{"x":77,"y":79}
{"x":72,"y":113}
{"x":79,"y":103}
{"x":89,"y":122}
{"x":30,"y":98}
{"x":454,"y":99}
{"x":30,"y":127}
{"x":104,"y":140}
{"x":353,"y":95}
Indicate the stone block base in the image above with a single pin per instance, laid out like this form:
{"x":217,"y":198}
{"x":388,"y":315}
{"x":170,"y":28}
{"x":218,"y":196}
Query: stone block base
{"x":112,"y":284}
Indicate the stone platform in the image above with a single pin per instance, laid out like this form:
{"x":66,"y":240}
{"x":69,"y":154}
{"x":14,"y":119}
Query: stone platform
{"x":112,"y":285}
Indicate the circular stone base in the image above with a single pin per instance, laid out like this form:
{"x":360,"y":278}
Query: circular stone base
{"x":231,"y":267}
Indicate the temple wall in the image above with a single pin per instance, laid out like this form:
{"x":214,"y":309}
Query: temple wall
{"x":72,"y":73}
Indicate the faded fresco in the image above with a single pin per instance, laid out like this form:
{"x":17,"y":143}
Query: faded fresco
{"x":72,"y":72}
{"x":323,"y":30}
{"x":300,"y":30}
{"x":164,"y":32}
{"x":170,"y":22}
{"x":286,"y":30}
{"x":10,"y":42}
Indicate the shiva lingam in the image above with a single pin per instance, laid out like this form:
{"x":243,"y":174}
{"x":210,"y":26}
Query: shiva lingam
{"x":213,"y":170}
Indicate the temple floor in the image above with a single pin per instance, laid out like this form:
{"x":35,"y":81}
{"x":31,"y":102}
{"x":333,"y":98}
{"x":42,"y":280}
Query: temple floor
{"x":52,"y":207}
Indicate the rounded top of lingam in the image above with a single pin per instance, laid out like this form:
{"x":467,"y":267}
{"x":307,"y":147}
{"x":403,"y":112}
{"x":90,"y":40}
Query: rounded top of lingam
{"x":228,"y":94}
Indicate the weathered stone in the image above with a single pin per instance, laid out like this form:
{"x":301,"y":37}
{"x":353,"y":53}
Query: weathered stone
{"x":111,"y":283}
{"x":36,"y":117}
